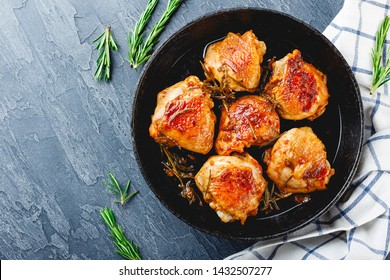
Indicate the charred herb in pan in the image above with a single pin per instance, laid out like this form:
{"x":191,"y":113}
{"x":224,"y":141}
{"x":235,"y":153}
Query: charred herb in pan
{"x":181,"y":168}
{"x":270,"y":198}
{"x":217,"y":90}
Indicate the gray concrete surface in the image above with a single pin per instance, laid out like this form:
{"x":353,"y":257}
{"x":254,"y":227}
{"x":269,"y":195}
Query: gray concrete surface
{"x":61,"y":131}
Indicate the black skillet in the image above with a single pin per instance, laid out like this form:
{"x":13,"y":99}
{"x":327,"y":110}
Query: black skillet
{"x":340,"y":127}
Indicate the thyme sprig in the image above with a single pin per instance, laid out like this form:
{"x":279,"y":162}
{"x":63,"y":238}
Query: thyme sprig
{"x":106,"y":43}
{"x":380,"y":73}
{"x":137,"y":33}
{"x":145,"y":50}
{"x":126,"y":248}
{"x":114,"y":187}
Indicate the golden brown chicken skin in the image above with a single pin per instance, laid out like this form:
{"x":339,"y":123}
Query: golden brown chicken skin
{"x":297,"y":162}
{"x":298,"y":88}
{"x":250,"y":121}
{"x":183,"y":117}
{"x":236,"y":59}
{"x":232,"y":185}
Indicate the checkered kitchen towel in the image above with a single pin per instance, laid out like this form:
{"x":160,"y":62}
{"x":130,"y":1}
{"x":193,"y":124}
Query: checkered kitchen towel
{"x":360,"y":227}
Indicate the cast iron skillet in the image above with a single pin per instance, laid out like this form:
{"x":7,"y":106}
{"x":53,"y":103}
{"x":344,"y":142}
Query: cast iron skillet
{"x":340,"y":128}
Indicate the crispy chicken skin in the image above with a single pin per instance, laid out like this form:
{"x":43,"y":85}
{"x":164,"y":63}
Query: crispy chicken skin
{"x":236,"y":59}
{"x":250,"y":121}
{"x":298,"y":88}
{"x":232,"y":185}
{"x":183,"y":117}
{"x":297,"y":162}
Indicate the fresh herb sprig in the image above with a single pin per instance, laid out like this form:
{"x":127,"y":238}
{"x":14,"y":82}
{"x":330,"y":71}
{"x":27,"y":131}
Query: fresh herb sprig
{"x":145,"y":50}
{"x":137,"y":33}
{"x":106,"y":43}
{"x":114,"y":186}
{"x":380,"y":73}
{"x":126,"y":248}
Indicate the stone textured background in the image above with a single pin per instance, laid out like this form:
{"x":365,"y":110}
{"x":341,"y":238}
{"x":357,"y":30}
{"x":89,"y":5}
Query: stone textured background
{"x":61,"y":131}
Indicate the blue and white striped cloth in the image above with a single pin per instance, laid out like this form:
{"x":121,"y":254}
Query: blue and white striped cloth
{"x":358,"y":228}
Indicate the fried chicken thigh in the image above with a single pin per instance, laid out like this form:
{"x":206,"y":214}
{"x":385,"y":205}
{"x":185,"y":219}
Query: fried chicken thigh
{"x":236,"y":60}
{"x":298,"y":88}
{"x":250,"y":121}
{"x":297,"y":162}
{"x":183,"y":117}
{"x":232,"y":185}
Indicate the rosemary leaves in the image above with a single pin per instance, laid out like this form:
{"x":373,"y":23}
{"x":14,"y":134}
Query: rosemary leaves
{"x":126,"y":248}
{"x":105,"y":45}
{"x":179,"y":167}
{"x":135,"y":40}
{"x":270,"y":198}
{"x":380,"y":73}
{"x":140,"y":53}
{"x":114,"y":187}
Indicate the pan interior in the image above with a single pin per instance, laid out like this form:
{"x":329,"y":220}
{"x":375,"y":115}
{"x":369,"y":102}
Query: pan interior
{"x":340,"y":127}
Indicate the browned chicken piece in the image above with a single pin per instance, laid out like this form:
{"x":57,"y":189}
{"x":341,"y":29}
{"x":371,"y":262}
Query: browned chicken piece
{"x":236,"y":61}
{"x":298,"y":88}
{"x":232,"y":185}
{"x":297,"y":162}
{"x":183,"y":117}
{"x":250,"y":121}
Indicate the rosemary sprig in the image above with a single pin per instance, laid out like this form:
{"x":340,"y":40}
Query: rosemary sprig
{"x":380,"y":74}
{"x":270,"y":198}
{"x":178,"y":166}
{"x":217,"y":90}
{"x":126,"y":248}
{"x":145,"y":50}
{"x":137,"y":33}
{"x":116,"y":189}
{"x":106,"y":42}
